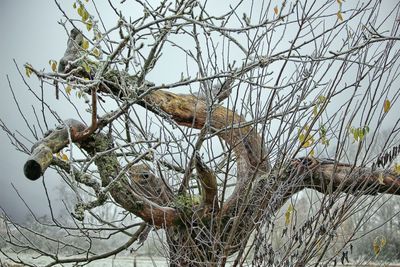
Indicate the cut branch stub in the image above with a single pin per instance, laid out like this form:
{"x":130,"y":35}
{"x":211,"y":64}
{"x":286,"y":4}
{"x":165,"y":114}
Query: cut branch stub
{"x":126,"y":191}
{"x":43,"y":150}
{"x":38,"y":162}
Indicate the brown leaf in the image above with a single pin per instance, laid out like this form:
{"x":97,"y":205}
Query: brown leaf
{"x":276,"y":10}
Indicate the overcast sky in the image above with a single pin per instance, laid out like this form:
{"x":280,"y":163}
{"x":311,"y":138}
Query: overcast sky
{"x":29,"y":33}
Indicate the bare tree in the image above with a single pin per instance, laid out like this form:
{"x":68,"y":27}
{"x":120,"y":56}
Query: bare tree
{"x":211,"y":156}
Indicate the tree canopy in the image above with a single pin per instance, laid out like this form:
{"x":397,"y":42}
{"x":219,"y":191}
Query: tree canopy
{"x":271,"y":101}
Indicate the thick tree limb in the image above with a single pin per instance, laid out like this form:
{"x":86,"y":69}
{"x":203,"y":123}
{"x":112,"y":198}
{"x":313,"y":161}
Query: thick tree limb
{"x":42,"y":151}
{"x":124,"y":192}
{"x":189,"y":111}
{"x":328,"y":176}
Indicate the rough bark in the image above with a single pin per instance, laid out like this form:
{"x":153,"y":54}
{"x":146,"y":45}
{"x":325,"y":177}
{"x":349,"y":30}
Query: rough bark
{"x":204,"y":232}
{"x":324,"y":176}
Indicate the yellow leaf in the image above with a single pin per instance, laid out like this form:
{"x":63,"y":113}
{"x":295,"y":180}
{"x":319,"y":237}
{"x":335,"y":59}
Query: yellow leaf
{"x":305,"y":139}
{"x":79,"y":94}
{"x":85,"y":44}
{"x":377,"y":248}
{"x":28,"y":70}
{"x":64,"y":157}
{"x":315,"y":110}
{"x":85,"y":15}
{"x":80,"y":10}
{"x":380,"y":179}
{"x":378,"y":244}
{"x":288,"y":214}
{"x":383,"y":241}
{"x":339,"y":15}
{"x":54,"y":65}
{"x":312,"y":153}
{"x":321,"y":99}
{"x":276,"y":10}
{"x":97,"y":36}
{"x":89,"y":25}
{"x":397,"y":168}
{"x":386,"y":106}
{"x":96,"y":52}
{"x":301,"y":138}
{"x":86,"y":67}
{"x":68,"y":89}
{"x":339,"y":2}
{"x":309,"y":141}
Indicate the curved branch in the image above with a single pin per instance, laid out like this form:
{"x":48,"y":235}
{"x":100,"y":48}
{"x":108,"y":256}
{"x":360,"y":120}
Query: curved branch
{"x":327,"y":176}
{"x":208,"y":180}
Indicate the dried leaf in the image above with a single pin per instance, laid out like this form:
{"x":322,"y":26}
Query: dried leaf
{"x":396,"y":168}
{"x":359,"y":133}
{"x":383,"y":241}
{"x":380,"y":179}
{"x":80,"y":10}
{"x":68,"y":89}
{"x":339,"y":15}
{"x":376,"y":248}
{"x":97,"y":36}
{"x":54,"y":65}
{"x":315,"y":110}
{"x":378,"y":244}
{"x":86,"y":67}
{"x":276,"y":10}
{"x":89,"y":25}
{"x":85,"y":44}
{"x":28,"y":70}
{"x":79,"y":94}
{"x":305,"y":139}
{"x":321,"y":99}
{"x":64,"y":157}
{"x":288,"y":214}
{"x":85,"y":15}
{"x":96,"y":52}
{"x":386,"y":106}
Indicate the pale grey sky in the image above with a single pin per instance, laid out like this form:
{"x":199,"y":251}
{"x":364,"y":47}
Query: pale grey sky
{"x":29,"y":33}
